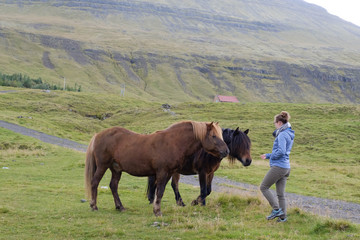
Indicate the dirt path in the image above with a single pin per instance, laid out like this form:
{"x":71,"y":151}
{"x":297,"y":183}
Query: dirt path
{"x":44,"y":137}
{"x":320,"y":206}
{"x":7,"y":91}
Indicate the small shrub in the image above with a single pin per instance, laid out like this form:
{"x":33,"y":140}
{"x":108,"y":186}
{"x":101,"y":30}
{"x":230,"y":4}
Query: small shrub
{"x":297,"y":211}
{"x":329,"y":226}
{"x":6,"y":145}
{"x":236,"y":202}
{"x":4,"y":210}
{"x":23,"y":147}
{"x":339,"y":225}
{"x":253,"y":201}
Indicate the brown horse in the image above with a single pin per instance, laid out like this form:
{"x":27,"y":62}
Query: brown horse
{"x":205,"y":165}
{"x":159,"y":154}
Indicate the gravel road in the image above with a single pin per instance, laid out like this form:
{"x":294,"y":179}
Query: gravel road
{"x":320,"y":206}
{"x":7,"y":91}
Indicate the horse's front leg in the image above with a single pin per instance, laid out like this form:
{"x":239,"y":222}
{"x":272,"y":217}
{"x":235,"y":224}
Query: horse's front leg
{"x":175,"y":186}
{"x":161,"y":181}
{"x":203,"y":190}
{"x":209,"y":179}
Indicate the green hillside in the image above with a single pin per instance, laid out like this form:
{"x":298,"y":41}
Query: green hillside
{"x":259,"y":51}
{"x":327,"y":139}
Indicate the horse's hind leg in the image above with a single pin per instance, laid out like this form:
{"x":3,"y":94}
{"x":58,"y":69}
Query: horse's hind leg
{"x":175,"y":186}
{"x":114,"y":183}
{"x":99,"y":173}
{"x":161,"y":181}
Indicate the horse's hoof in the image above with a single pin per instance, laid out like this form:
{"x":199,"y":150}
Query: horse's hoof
{"x":94,"y":208}
{"x":181,"y":204}
{"x":158,"y":213}
{"x":121,"y":209}
{"x":195,"y":202}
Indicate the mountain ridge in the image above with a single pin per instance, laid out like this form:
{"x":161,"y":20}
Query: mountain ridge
{"x":181,"y":52}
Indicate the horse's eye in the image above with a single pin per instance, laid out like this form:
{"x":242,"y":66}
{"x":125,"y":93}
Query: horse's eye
{"x":214,"y":136}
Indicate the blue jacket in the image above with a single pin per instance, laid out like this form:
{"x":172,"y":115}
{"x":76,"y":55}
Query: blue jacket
{"x":281,"y":149}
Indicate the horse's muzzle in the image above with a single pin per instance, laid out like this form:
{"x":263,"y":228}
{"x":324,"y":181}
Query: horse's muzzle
{"x":224,"y":153}
{"x":247,"y":162}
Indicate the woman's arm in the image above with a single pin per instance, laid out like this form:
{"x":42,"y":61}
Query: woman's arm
{"x":280,"y":149}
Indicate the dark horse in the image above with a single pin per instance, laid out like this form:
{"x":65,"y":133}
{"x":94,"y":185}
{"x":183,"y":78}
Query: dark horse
{"x":159,"y":154}
{"x":205,"y":165}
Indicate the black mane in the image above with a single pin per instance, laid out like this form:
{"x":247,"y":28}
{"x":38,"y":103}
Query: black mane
{"x":238,"y":143}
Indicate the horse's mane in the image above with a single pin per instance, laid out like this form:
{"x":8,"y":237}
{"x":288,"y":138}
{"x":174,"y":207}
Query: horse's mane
{"x":200,"y":130}
{"x":239,"y":143}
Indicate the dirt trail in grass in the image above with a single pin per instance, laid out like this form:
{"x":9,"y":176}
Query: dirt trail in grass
{"x":320,"y":206}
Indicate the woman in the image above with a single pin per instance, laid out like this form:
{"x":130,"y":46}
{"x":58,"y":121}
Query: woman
{"x":279,"y":166}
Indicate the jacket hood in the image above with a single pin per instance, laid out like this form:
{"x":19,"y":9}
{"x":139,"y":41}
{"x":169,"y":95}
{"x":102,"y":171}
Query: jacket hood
{"x":290,"y":132}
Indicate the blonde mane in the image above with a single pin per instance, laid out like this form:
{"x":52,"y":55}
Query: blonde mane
{"x":200,"y":130}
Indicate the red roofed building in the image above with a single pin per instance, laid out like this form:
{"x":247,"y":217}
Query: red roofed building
{"x":220,"y":98}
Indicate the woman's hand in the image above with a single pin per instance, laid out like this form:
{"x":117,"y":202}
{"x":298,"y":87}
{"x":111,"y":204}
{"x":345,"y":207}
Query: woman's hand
{"x":263,"y":157}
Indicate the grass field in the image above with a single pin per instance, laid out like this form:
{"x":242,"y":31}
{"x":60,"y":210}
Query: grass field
{"x":42,"y":185}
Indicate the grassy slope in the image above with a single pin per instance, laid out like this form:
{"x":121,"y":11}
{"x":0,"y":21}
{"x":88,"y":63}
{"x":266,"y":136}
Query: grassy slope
{"x":41,"y":191}
{"x":21,"y":50}
{"x":306,"y":33}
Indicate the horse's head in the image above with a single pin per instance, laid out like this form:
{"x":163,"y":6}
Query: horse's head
{"x":239,"y":145}
{"x":212,"y":141}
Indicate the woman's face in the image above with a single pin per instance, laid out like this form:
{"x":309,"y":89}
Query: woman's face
{"x":278,"y":124}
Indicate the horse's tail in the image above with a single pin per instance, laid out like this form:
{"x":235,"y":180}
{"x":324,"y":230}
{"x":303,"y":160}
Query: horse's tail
{"x":150,"y":190}
{"x":90,"y":167}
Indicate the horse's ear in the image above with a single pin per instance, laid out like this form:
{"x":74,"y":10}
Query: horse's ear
{"x":246,"y":131}
{"x":217,"y":123}
{"x":210,"y":125}
{"x":236,"y":132}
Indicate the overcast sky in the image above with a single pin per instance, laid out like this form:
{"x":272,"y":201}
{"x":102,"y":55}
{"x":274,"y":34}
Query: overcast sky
{"x":348,"y":10}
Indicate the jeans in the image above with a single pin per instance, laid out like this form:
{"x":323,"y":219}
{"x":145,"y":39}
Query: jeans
{"x":278,"y":176}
